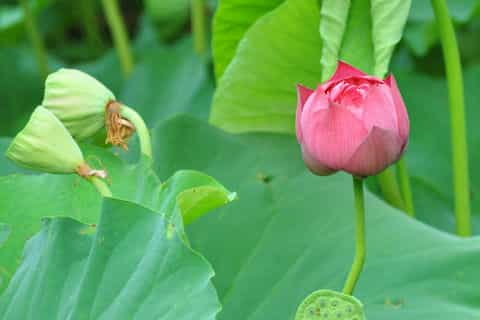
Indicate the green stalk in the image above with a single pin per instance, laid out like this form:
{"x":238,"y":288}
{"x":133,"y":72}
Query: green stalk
{"x":390,"y":189}
{"x":119,"y":33}
{"x":405,"y":186}
{"x":461,"y":184}
{"x":141,"y":129}
{"x":90,"y":24}
{"x":359,"y":259}
{"x":199,"y":26}
{"x":101,"y":186}
{"x":35,"y":39}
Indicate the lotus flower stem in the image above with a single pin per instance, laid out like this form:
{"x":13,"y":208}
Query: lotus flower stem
{"x":359,"y":259}
{"x":405,"y":186}
{"x":453,"y":68}
{"x":101,"y":186}
{"x":35,"y":39}
{"x":119,"y":33}
{"x":141,"y":128}
{"x":199,"y":26}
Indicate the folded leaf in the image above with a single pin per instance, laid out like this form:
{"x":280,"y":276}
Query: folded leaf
{"x":293,"y":233}
{"x":283,"y":48}
{"x":133,"y":265}
{"x":190,"y":192}
{"x":258,"y":89}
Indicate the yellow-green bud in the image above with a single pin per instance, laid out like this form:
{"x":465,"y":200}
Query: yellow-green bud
{"x":78,"y":100}
{"x":46,"y":145}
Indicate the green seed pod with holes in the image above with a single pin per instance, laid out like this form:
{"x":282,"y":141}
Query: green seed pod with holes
{"x":45,"y":145}
{"x":330,"y":305}
{"x":78,"y":100}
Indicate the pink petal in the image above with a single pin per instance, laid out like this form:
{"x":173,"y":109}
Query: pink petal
{"x":348,"y":75}
{"x":314,"y":165}
{"x":318,"y":100}
{"x":402,"y":115}
{"x":302,"y":95}
{"x":379,"y":150}
{"x":379,"y":109}
{"x":331,"y":135}
{"x":344,"y":71}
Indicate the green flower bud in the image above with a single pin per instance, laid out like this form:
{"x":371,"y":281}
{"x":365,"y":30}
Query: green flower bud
{"x":46,"y":145}
{"x":78,"y":100}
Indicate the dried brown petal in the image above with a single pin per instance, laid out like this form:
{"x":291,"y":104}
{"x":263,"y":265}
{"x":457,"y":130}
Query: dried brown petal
{"x":119,"y":129}
{"x":85,"y":171}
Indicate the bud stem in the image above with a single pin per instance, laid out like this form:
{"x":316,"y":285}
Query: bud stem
{"x":405,"y":186}
{"x":140,"y":127}
{"x":119,"y":33}
{"x":35,"y":38}
{"x":359,"y":259}
{"x":451,"y":56}
{"x":198,"y":26}
{"x":100,"y":185}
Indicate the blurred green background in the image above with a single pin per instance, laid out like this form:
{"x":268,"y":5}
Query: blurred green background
{"x":168,"y":76}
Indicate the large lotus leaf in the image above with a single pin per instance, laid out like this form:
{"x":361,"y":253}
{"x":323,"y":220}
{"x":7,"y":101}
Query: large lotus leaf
{"x":257,"y":90}
{"x":292,"y":233}
{"x":135,"y":264}
{"x":4,"y":232}
{"x":25,"y":199}
{"x":232,"y":19}
{"x":255,"y":94}
{"x":283,"y":48}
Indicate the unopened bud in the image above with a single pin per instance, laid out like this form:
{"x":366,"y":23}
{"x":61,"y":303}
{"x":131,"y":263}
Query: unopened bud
{"x":78,"y":100}
{"x":45,"y":145}
{"x":84,"y":106}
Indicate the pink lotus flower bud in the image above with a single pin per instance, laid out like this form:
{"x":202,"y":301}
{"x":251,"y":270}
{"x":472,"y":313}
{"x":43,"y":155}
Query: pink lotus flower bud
{"x":353,"y":122}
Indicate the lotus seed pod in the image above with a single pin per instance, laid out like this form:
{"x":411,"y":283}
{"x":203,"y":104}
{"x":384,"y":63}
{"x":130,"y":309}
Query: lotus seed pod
{"x":330,"y":305}
{"x":45,"y":145}
{"x":78,"y":100}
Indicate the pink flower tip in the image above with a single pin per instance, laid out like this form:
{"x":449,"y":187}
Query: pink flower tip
{"x":353,"y":122}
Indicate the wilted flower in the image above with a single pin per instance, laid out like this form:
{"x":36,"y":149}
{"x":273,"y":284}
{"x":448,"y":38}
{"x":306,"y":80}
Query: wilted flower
{"x":353,"y":122}
{"x":84,"y":106}
{"x":78,"y":100}
{"x":46,"y":145}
